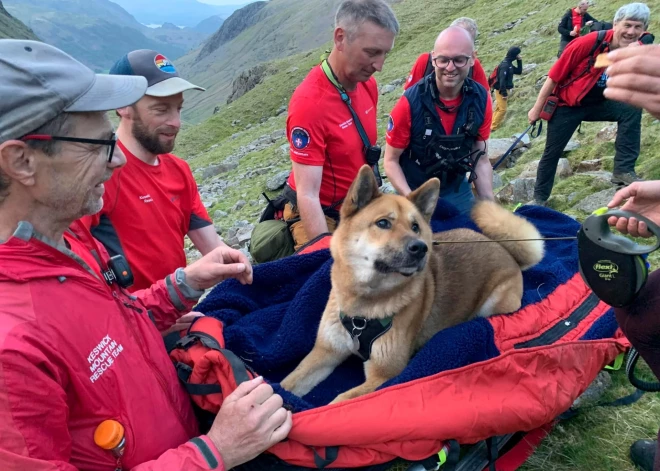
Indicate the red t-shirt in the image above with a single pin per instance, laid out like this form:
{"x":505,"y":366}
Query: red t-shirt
{"x":321,"y":131}
{"x":147,"y":211}
{"x":400,"y":122}
{"x":418,"y":69}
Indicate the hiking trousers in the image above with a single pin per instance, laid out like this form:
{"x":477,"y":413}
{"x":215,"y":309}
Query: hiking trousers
{"x":640,"y":322}
{"x":499,"y":113}
{"x":565,"y":121}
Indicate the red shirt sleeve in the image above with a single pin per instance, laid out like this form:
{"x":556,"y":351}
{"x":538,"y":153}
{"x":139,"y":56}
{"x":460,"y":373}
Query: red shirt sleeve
{"x":399,"y":125}
{"x":576,"y":51}
{"x":417,"y":71}
{"x":484,"y":130}
{"x":305,"y":131}
{"x":479,"y":74}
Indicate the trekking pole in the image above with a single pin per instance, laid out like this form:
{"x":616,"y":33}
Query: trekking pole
{"x":515,"y":143}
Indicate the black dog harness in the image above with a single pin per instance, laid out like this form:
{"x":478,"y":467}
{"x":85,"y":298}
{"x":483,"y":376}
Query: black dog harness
{"x":364,"y":332}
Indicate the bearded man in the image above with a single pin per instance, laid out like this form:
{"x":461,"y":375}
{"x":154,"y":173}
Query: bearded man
{"x":152,"y":203}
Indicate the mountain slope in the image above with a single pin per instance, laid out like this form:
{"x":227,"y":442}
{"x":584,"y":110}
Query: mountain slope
{"x":282,"y":28}
{"x":11,"y":28}
{"x":210,"y":25}
{"x":238,"y":22}
{"x":96,"y":32}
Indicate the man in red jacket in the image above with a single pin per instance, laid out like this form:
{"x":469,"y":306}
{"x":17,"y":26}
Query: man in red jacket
{"x":76,"y":349}
{"x":572,"y":23}
{"x":578,"y":86}
{"x":423,"y":65}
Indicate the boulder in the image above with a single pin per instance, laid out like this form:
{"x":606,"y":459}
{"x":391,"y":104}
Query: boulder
{"x":277,"y":181}
{"x":595,"y":201}
{"x":519,"y":190}
{"x":607,"y":134}
{"x":590,"y":165}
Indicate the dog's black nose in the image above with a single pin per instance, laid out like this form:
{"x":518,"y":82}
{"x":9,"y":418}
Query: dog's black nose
{"x":417,"y":248}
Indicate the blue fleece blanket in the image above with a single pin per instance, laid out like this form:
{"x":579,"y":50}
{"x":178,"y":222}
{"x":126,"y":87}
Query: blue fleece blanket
{"x":272,"y":323}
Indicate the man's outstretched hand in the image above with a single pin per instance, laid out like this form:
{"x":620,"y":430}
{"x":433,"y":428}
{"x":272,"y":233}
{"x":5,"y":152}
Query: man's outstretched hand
{"x":641,"y":198}
{"x":634,"y":77}
{"x":221,"y":263}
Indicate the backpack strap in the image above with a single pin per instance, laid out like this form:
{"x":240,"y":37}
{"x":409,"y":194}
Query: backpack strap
{"x":598,"y":47}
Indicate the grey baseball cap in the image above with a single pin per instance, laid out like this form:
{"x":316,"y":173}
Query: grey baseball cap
{"x":161,"y":75}
{"x":38,"y":82}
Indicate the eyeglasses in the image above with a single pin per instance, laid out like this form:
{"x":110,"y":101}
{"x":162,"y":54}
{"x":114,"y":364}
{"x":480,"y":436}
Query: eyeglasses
{"x":442,"y":62}
{"x":102,"y":142}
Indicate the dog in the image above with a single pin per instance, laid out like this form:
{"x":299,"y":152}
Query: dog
{"x":396,"y":279}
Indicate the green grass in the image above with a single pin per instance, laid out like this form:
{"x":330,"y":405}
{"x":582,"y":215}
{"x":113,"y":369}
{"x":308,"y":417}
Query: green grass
{"x":596,"y":440}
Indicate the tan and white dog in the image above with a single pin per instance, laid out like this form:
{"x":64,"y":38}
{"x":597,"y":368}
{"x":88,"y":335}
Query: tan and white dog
{"x":388,"y":270}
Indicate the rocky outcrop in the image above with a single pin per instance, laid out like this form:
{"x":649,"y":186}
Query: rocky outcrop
{"x":246,"y":81}
{"x":10,"y":27}
{"x":238,"y":22}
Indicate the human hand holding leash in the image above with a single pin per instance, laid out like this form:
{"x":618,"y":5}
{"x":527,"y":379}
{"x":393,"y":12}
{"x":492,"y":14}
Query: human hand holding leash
{"x":634,"y":77}
{"x":250,"y":420}
{"x":642,"y":198}
{"x":221,"y":263}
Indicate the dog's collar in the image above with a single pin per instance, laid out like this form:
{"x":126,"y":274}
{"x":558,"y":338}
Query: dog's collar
{"x":364,"y":332}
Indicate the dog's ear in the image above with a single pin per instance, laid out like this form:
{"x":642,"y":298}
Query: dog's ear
{"x":426,"y":197}
{"x":363,"y":190}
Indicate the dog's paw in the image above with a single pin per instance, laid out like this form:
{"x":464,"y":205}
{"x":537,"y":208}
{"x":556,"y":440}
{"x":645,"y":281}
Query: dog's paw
{"x":288,"y":384}
{"x":342,"y":397}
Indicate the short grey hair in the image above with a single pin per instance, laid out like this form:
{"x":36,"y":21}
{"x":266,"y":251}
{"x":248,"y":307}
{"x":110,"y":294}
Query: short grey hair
{"x":353,"y":13}
{"x":633,"y":12}
{"x":467,"y":24}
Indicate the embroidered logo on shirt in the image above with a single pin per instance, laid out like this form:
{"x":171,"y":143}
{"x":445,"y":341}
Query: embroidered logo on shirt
{"x":146,"y":198}
{"x":299,"y":138}
{"x":103,"y":357}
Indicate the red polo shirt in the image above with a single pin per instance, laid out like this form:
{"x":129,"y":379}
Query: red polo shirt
{"x":322,"y":133}
{"x":147,"y":211}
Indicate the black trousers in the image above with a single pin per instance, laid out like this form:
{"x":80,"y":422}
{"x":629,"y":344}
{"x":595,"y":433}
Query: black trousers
{"x":640,"y":322}
{"x":565,"y":121}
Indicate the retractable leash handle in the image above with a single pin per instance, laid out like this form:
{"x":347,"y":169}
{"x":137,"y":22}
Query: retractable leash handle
{"x":612,"y":265}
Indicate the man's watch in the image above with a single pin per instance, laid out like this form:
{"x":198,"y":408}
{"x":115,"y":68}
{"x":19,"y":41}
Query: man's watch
{"x":188,"y":292}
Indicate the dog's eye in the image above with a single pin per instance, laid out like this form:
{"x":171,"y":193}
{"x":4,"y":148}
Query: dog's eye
{"x":384,"y":224}
{"x":415,"y":227}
